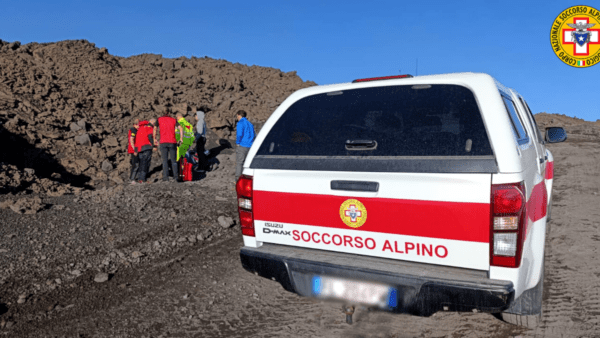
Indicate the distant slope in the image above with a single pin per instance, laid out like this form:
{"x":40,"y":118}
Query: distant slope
{"x":577,"y":129}
{"x":46,"y":89}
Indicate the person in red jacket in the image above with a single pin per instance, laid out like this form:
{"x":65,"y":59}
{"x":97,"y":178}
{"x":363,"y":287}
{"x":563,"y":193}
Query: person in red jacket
{"x":168,"y":143}
{"x":143,"y":142}
{"x":132,"y":151}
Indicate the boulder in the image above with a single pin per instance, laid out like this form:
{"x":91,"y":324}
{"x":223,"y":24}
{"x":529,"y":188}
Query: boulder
{"x":111,"y":142}
{"x":225,"y":221}
{"x":82,"y":164}
{"x":83,"y":140}
{"x":74,"y":127}
{"x":106,"y":166}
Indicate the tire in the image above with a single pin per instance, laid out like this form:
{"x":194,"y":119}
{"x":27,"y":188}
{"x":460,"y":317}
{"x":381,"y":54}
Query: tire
{"x":530,"y":322}
{"x":527,"y":311}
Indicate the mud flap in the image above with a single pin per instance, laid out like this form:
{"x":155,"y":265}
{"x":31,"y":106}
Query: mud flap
{"x":530,"y":301}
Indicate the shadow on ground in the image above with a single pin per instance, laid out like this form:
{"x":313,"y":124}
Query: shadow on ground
{"x":223,"y":144}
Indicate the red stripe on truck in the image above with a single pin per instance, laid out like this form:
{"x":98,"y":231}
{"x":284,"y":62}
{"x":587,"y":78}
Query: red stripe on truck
{"x":538,"y":202}
{"x":463,"y":221}
{"x":549,"y":170}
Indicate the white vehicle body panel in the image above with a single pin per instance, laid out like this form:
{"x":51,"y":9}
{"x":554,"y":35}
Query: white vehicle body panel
{"x":395,"y":189}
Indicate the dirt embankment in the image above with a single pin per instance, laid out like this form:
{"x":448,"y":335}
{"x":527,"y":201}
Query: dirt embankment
{"x":66,"y":107}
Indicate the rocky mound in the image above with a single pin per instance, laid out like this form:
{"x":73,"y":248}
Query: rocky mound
{"x":13,"y":180}
{"x":65,"y":107}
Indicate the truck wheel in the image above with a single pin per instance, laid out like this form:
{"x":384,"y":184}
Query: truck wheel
{"x":527,"y":310}
{"x":530,"y":322}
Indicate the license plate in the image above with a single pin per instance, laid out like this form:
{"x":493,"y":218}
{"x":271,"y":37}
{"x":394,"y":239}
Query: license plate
{"x":367,"y":293}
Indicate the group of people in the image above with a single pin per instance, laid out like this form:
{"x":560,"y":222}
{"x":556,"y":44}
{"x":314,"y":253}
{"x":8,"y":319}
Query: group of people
{"x":173,"y":137}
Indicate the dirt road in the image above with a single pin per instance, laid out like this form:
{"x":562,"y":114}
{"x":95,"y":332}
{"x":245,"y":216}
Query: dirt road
{"x":198,"y":288}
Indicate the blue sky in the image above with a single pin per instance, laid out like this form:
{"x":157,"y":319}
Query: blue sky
{"x":332,"y":42}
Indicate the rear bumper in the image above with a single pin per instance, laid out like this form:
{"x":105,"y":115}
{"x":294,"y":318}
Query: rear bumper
{"x":422,"y":289}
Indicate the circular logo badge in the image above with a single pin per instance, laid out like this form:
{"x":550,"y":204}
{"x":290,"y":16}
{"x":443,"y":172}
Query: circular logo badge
{"x":575,"y":36}
{"x":353,"y":213}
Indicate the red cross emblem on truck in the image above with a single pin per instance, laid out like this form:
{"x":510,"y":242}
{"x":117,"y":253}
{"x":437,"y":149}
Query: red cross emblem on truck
{"x":353,"y":213}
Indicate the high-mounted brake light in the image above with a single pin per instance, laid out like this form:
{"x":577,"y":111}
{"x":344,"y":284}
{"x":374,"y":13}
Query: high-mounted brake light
{"x":383,"y":78}
{"x":507,"y":224}
{"x":244,"y":191}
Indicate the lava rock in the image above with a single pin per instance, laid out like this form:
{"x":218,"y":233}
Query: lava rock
{"x":74,"y":127}
{"x":225,"y":221}
{"x":101,"y":277}
{"x":83,"y":140}
{"x":28,"y":205}
{"x":106,"y":166}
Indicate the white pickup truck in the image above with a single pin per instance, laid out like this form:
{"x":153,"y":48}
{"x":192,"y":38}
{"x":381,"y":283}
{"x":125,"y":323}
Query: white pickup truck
{"x":410,"y":194}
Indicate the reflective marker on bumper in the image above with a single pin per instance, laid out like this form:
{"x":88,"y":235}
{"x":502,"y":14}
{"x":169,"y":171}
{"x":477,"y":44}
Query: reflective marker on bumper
{"x":316,"y":285}
{"x":393,"y":298}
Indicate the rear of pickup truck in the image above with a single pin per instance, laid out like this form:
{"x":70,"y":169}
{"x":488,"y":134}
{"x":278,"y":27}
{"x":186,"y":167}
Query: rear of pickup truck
{"x":383,"y":195}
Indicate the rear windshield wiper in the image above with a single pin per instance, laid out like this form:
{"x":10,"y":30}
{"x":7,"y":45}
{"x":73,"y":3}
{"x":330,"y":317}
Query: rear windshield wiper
{"x":361,"y":145}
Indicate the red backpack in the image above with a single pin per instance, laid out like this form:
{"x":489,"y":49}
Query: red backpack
{"x":186,"y":169}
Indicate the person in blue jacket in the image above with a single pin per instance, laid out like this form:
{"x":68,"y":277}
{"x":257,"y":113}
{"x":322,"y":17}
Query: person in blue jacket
{"x":244,"y":139}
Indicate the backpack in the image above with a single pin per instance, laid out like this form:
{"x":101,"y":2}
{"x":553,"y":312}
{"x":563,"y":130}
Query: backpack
{"x":188,"y":173}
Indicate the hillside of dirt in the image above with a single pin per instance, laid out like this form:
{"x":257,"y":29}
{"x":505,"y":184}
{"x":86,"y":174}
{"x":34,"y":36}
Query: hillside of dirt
{"x":577,"y":129}
{"x":65,"y":107}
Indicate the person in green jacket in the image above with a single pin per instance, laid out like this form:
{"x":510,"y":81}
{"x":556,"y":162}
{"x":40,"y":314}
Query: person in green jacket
{"x":188,"y":136}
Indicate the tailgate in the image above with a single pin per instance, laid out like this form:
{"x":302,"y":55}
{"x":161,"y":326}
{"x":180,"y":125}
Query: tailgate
{"x":436,"y":218}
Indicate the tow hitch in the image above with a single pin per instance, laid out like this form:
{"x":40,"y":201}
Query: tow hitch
{"x":349,"y":311}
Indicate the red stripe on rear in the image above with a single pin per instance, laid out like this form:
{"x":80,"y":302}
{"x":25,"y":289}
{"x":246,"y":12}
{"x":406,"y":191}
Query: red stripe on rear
{"x":549,"y":170}
{"x":461,"y":221}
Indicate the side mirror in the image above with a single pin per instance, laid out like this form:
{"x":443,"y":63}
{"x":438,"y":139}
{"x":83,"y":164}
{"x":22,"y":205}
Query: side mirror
{"x":555,"y":134}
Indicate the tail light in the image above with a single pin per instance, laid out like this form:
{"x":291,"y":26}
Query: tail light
{"x":507,"y":224}
{"x":243,"y":188}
